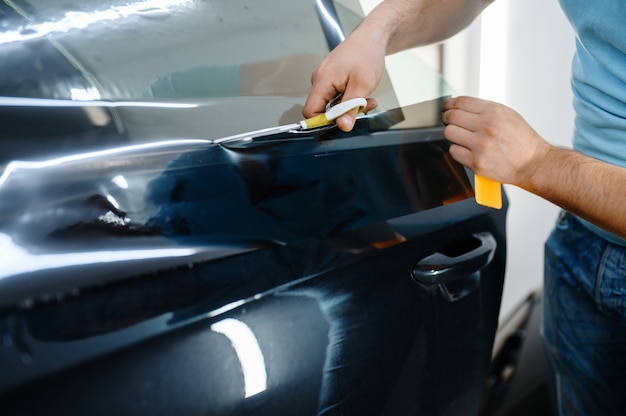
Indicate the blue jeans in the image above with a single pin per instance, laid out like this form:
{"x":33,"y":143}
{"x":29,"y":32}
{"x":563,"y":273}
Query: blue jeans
{"x":584,"y":319}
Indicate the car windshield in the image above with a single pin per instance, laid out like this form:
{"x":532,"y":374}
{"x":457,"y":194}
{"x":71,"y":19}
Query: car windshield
{"x":161,"y":48}
{"x":249,"y":60}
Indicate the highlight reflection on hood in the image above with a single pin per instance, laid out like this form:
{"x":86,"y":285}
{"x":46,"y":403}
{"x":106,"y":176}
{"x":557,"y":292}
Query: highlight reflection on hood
{"x":79,"y":20}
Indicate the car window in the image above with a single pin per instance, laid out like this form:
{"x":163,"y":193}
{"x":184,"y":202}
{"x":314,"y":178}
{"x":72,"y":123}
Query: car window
{"x":181,"y":48}
{"x":216,"y":68}
{"x":115,"y":50}
{"x":411,"y":76}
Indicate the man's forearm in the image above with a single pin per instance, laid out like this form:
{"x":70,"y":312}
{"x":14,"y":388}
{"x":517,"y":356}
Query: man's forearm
{"x":587,"y":187}
{"x":410,"y":23}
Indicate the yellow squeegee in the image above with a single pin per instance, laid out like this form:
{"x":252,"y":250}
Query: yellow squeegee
{"x":488,"y":192}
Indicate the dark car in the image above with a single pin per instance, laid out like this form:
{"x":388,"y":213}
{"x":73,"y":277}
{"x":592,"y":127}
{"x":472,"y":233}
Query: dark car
{"x":147,"y":269}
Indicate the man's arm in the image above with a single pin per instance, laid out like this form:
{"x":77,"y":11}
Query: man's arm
{"x":356,"y":66}
{"x":411,"y":23}
{"x":496,"y":142}
{"x":587,"y":187}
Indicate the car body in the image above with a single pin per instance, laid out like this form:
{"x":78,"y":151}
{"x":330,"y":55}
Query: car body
{"x":145,"y":269}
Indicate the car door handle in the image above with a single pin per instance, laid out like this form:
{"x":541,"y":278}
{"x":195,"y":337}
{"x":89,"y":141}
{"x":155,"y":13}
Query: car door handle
{"x":457,"y":260}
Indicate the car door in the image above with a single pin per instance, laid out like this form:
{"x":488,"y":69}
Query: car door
{"x":315,"y":272}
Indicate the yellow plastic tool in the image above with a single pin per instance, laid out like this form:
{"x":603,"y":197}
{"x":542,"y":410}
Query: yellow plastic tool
{"x":324,"y":119}
{"x":488,"y":192}
{"x":332,"y":113}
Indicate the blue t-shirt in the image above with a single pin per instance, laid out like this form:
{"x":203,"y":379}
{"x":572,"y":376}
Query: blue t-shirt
{"x":599,"y":82}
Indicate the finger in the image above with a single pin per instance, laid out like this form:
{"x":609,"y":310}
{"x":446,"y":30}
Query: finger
{"x":318,"y":97}
{"x":462,"y":155}
{"x":355,"y":90}
{"x":346,"y":121}
{"x":372,"y":103}
{"x":463,"y":148}
{"x":469,"y":104}
{"x":323,"y":90}
{"x":461,"y":118}
{"x":459,"y":135}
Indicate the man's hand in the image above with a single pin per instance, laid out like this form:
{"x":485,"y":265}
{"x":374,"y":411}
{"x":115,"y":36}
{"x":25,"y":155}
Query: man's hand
{"x":493,"y":140}
{"x":497,"y":143}
{"x":353,"y":69}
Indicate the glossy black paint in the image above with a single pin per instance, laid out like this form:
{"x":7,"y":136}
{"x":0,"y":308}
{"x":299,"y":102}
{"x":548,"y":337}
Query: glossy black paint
{"x":383,"y":344}
{"x":146,"y":270}
{"x":345,"y":266}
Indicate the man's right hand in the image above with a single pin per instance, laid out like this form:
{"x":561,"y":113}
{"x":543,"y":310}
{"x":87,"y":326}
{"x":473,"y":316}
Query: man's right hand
{"x":353,"y":69}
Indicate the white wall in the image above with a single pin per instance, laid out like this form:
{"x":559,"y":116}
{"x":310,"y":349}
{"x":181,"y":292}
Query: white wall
{"x":538,"y":48}
{"x":519,"y":53}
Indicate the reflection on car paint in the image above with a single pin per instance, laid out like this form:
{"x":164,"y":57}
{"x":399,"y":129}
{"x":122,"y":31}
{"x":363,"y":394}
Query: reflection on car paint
{"x":234,"y":198}
{"x":248,"y":352}
{"x":170,"y":219}
{"x":345,"y":321}
{"x":80,"y":20}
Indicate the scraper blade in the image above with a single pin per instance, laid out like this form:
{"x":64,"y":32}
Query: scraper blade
{"x":488,"y":192}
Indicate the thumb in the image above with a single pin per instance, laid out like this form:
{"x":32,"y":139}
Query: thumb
{"x":346,"y":121}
